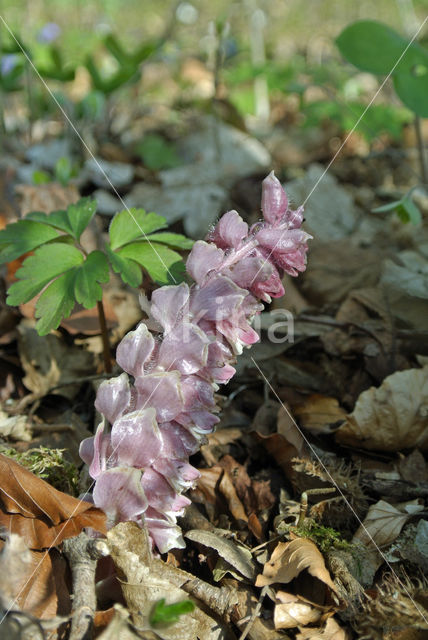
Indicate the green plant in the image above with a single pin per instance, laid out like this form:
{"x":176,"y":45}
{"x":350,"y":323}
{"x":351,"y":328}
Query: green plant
{"x":48,"y":464}
{"x":62,"y":272}
{"x":164,"y":614}
{"x":157,"y":153}
{"x":405,"y":209}
{"x":374,"y":47}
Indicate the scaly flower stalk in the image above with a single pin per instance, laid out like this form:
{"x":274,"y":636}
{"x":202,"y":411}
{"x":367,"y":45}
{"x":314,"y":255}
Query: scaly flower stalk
{"x":140,"y":466}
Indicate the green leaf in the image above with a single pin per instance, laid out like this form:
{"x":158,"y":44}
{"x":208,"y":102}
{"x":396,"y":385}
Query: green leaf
{"x":93,"y":270}
{"x":129,"y":271}
{"x":163,"y":265}
{"x":47,"y":263}
{"x":387,"y":207}
{"x":73,"y":221}
{"x":55,"y":303}
{"x":79,"y":216}
{"x":412,"y":89}
{"x":41,"y":177}
{"x":130,"y":225}
{"x":63,"y":171}
{"x":23,"y":236}
{"x":157,"y":153}
{"x":409,"y":212}
{"x":371,"y":46}
{"x":57,"y":219}
{"x":169,"y":613}
{"x":175,"y":240}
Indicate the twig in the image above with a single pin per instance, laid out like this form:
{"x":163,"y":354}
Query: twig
{"x":104,"y":336}
{"x":421,"y":149}
{"x":304,"y":501}
{"x":254,"y":615}
{"x":83,"y":553}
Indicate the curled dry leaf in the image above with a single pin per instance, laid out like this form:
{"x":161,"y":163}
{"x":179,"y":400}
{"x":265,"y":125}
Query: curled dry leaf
{"x":42,"y":515}
{"x":383,"y":522}
{"x":391,"y":417}
{"x":235,"y":554}
{"x":291,"y":612}
{"x":289,"y":560}
{"x":331,"y":631}
{"x":320,"y":414}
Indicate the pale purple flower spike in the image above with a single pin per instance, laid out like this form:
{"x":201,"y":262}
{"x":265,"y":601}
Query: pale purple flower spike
{"x":140,"y":466}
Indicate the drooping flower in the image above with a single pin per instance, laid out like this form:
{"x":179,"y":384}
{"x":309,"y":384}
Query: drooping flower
{"x":140,"y":466}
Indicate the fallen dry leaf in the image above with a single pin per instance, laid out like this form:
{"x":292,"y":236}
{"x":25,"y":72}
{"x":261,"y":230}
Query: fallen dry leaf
{"x":33,"y":581}
{"x":292,"y":612}
{"x":290,"y":559}
{"x":320,"y":414}
{"x":392,"y":416}
{"x":43,"y":516}
{"x":331,"y":631}
{"x":413,"y":468}
{"x":46,"y":197}
{"x":383,"y":522}
{"x":235,"y":554}
{"x":48,"y":361}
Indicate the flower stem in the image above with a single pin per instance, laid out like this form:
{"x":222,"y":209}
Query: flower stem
{"x":421,"y":149}
{"x":104,"y":337}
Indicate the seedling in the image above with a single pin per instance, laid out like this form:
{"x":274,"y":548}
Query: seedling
{"x":164,"y":614}
{"x":62,"y":273}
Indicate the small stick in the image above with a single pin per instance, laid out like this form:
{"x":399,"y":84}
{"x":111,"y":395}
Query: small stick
{"x":104,"y":336}
{"x":304,"y":501}
{"x":83,"y":553}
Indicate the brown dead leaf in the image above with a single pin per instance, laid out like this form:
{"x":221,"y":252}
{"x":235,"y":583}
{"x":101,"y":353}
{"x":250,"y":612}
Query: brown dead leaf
{"x":320,"y":414}
{"x":392,"y":416}
{"x":285,"y":445}
{"x":290,"y":559}
{"x":46,"y":197}
{"x":48,"y":360}
{"x":291,"y":611}
{"x":413,"y":468}
{"x":331,"y":631}
{"x":383,"y":522}
{"x":33,"y":581}
{"x":42,"y":515}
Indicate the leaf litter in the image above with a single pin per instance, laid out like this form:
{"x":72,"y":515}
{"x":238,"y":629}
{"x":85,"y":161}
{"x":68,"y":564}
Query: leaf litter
{"x":354,"y":381}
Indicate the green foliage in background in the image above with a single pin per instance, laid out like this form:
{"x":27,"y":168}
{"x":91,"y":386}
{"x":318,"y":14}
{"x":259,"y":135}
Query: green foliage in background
{"x":63,"y":273}
{"x":375,"y":47}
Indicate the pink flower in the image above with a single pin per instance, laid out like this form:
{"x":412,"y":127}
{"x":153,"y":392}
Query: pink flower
{"x":141,"y":466}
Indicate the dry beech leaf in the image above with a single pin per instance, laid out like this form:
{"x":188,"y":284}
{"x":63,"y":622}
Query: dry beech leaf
{"x":235,"y":554}
{"x":391,"y":417}
{"x":383,"y":522}
{"x":46,"y":197}
{"x":289,"y":559}
{"x":42,"y":515}
{"x":285,"y":445}
{"x":331,"y":631}
{"x":291,"y":611}
{"x":33,"y":581}
{"x":320,"y":414}
{"x":145,"y":580}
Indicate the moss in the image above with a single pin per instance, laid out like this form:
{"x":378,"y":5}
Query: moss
{"x":324,"y":537}
{"x":48,"y":464}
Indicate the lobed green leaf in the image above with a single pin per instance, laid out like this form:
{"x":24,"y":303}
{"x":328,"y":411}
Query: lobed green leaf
{"x":163,"y":265}
{"x":127,"y":226}
{"x":174,"y":240}
{"x":23,"y":236}
{"x":55,"y":303}
{"x":129,"y":271}
{"x":47,"y":263}
{"x":87,"y":278}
